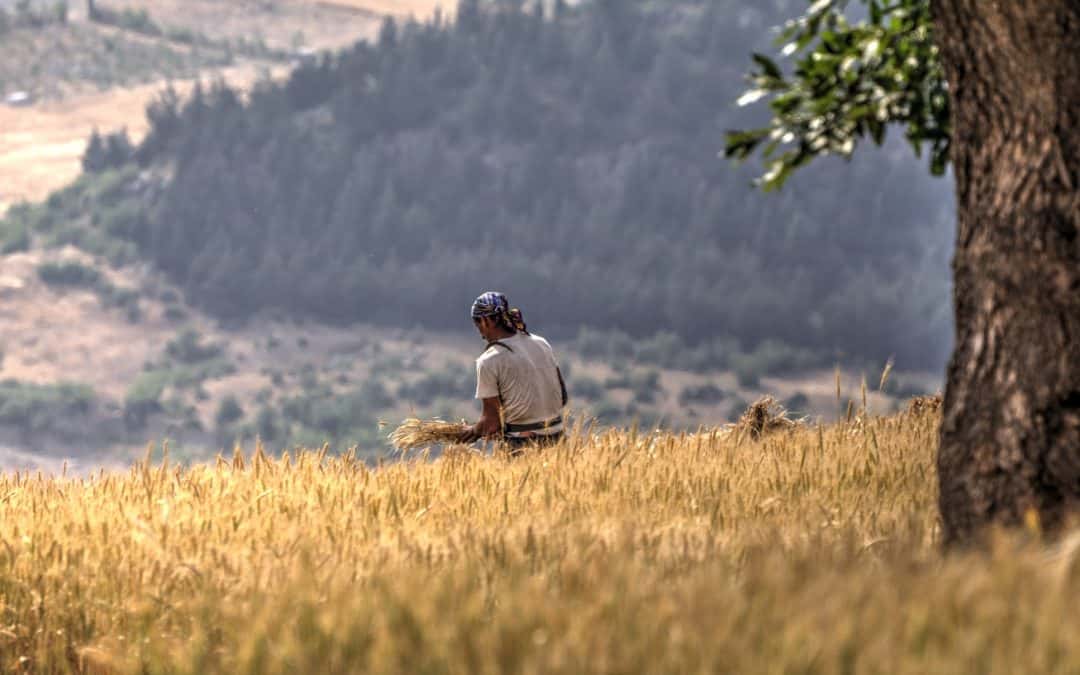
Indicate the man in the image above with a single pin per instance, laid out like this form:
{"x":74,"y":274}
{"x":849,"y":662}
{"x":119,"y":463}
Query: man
{"x":517,"y":379}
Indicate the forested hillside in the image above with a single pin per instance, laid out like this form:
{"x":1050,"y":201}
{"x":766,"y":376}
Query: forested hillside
{"x":567,"y":156}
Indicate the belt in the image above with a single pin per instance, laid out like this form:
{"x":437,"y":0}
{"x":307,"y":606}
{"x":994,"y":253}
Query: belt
{"x":535,"y":426}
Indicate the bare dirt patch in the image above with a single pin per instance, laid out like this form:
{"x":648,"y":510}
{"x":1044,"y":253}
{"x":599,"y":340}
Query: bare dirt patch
{"x":418,"y":8}
{"x":277,"y":24}
{"x":41,"y":147}
{"x":49,"y":336}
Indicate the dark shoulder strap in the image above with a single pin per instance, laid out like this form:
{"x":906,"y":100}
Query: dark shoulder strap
{"x":496,"y":343}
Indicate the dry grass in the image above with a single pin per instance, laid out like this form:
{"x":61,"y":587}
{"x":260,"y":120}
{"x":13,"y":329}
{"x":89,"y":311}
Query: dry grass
{"x":813,"y":551}
{"x":420,"y":9}
{"x":764,"y":417}
{"x":921,"y":405}
{"x":414,"y":433}
{"x":280,"y":24}
{"x":41,"y":147}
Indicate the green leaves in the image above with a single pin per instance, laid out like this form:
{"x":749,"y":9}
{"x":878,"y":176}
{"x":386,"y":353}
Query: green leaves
{"x":769,"y":67}
{"x":848,"y":82}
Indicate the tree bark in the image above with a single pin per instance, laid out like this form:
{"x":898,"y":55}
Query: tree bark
{"x":1010,"y":437}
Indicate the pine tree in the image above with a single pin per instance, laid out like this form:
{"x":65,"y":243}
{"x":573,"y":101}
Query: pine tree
{"x":95,"y":159}
{"x":118,"y":149}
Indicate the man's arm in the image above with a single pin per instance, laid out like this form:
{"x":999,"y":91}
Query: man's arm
{"x":489,"y":426}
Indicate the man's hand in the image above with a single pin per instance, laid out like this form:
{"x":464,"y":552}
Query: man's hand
{"x":470,"y":435}
{"x":489,"y":426}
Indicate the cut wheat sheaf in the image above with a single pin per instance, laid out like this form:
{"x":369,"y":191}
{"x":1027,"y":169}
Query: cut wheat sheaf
{"x":762,"y":418}
{"x":765,"y":416}
{"x":416,"y":433}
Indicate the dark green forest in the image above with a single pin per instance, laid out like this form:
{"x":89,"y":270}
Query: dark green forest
{"x":566,"y":155}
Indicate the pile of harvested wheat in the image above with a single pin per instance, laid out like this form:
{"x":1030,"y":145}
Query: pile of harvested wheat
{"x":416,"y":433}
{"x":764,"y":417}
{"x":921,"y":405}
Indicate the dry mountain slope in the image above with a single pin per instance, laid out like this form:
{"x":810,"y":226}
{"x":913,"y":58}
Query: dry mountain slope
{"x":41,"y":145}
{"x":306,"y":381}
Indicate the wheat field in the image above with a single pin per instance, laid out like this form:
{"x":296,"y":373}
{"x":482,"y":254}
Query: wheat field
{"x":813,"y":550}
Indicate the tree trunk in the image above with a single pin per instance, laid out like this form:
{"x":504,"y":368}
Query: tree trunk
{"x":1010,"y":438}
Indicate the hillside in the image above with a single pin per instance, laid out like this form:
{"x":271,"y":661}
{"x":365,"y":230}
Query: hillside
{"x":568,"y":159}
{"x":220,"y":296}
{"x":90,"y":372}
{"x":814,"y":551}
{"x":83,"y":75}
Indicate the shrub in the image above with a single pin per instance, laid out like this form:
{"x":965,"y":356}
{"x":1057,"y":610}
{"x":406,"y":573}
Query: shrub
{"x":798,"y":403}
{"x":229,"y":412}
{"x":143,"y":398}
{"x":646,"y":379}
{"x":135,"y":20}
{"x":323,"y":415}
{"x":14,"y":236}
{"x":453,"y":381}
{"x":184,"y":417}
{"x":188,"y":347}
{"x":389,"y":365}
{"x":374,"y":395}
{"x":664,"y":349}
{"x":309,"y":377}
{"x":586,"y":387}
{"x":773,"y":357}
{"x":704,"y":394}
{"x":115,"y":296}
{"x":125,"y":220}
{"x":266,"y":425}
{"x":40,"y":408}
{"x":607,"y":411}
{"x":193,"y":375}
{"x":606,"y":345}
{"x":746,"y":374}
{"x":68,"y":274}
{"x":175,"y":313}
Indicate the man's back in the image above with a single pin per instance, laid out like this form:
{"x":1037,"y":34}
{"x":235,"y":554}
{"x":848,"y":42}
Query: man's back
{"x":523,"y":373}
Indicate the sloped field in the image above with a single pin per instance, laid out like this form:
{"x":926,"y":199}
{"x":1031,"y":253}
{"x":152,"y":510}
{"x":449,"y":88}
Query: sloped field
{"x":85,"y":76}
{"x":809,"y":551}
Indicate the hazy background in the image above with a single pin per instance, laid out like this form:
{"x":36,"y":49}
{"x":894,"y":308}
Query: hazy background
{"x":289,"y":249}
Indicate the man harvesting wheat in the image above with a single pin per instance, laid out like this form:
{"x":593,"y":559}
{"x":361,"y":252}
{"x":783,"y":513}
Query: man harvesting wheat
{"x":517,"y":378}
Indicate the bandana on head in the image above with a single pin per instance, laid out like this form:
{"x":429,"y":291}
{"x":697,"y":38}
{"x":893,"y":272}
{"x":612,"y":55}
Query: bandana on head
{"x":492,"y":304}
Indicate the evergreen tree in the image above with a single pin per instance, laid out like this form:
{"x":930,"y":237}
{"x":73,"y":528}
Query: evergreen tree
{"x":118,"y":149}
{"x":568,"y":161}
{"x":95,"y":158}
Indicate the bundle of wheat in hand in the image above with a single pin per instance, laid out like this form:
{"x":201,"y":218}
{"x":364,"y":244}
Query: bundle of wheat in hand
{"x":414,"y":433}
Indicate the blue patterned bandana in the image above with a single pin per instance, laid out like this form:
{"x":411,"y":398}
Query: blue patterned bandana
{"x":490,"y":304}
{"x":496,"y":306}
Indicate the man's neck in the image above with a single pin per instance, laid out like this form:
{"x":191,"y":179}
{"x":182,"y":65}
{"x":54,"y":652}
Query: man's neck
{"x":502,"y":336}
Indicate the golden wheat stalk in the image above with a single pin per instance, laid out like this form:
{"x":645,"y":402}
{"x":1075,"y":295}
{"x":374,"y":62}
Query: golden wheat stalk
{"x":416,"y":433}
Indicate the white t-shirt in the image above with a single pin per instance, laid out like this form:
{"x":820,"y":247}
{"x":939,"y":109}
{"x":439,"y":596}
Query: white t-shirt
{"x":525,"y":380}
